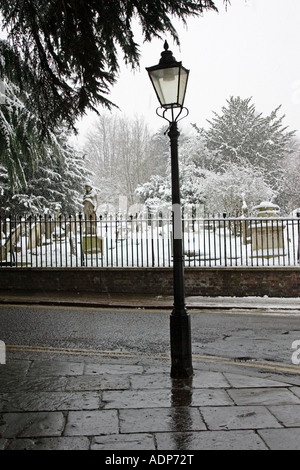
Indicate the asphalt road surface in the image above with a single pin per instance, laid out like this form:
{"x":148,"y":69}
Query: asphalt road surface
{"x":236,"y":335}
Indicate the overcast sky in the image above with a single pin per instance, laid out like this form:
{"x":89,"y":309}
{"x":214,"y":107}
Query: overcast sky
{"x":250,"y":50}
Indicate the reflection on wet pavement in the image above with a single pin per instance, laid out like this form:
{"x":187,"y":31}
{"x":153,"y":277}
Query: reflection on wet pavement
{"x":181,"y":400}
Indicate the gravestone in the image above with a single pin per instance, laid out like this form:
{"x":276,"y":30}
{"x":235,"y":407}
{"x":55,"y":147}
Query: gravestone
{"x":267,"y":234}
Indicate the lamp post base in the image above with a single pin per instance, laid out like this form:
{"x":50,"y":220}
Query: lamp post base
{"x":181,"y":353}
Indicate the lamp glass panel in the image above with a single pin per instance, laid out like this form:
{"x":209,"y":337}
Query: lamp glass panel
{"x":165,"y":82}
{"x":184,"y":73}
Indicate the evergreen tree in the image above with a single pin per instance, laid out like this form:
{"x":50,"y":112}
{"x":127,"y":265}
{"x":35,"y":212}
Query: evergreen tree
{"x":242,"y":136}
{"x":203,"y":184}
{"x":193,"y":150}
{"x":19,"y":140}
{"x":65,"y":54}
{"x":57,"y":181}
{"x":35,"y":173}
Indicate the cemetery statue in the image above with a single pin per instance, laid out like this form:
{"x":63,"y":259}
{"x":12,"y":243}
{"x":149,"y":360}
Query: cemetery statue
{"x":90,"y":204}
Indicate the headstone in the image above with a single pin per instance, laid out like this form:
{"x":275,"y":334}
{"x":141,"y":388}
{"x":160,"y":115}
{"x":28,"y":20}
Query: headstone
{"x":267,"y":234}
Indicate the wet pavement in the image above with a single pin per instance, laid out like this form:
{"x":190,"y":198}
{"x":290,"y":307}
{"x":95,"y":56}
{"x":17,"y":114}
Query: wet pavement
{"x":112,"y":401}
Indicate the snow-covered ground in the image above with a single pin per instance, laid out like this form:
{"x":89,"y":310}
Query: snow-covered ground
{"x":148,"y":243}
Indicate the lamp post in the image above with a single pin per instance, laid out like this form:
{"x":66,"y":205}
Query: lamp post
{"x":169,"y":79}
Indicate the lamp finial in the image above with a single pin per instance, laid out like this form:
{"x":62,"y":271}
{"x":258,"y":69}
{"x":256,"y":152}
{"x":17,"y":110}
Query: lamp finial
{"x":167,"y":56}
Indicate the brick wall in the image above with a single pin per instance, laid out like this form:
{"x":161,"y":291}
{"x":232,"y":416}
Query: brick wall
{"x":223,"y":281}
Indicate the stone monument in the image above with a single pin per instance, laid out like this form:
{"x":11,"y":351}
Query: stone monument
{"x":91,"y":242}
{"x":267,"y":233}
{"x":90,"y":205}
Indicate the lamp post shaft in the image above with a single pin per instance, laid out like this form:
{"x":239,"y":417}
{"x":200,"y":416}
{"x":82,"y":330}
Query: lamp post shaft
{"x":180,"y":326}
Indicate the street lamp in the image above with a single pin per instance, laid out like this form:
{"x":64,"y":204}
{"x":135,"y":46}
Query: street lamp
{"x":169,"y":79}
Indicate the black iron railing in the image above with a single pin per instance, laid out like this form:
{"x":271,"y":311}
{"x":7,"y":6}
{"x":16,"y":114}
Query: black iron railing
{"x":121,"y":241}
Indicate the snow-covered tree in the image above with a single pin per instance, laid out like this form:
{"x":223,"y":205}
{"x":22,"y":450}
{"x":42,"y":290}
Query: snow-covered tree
{"x":20,"y":142}
{"x":36,"y":173}
{"x":194,"y":160}
{"x":217,"y":192}
{"x":218,"y":188}
{"x":289,"y":198}
{"x":157,"y":192}
{"x":226,"y":191}
{"x":194,"y":149}
{"x":243,"y":136}
{"x":57,"y":180}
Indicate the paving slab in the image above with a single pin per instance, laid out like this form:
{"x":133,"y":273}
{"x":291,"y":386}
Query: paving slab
{"x":203,"y":379}
{"x":32,"y":384}
{"x":288,"y":415}
{"x":210,"y":397}
{"x":98,"y":382}
{"x":263,"y":396}
{"x":102,"y":368}
{"x":295,"y":390}
{"x":160,"y":420}
{"x":136,"y":399}
{"x":17,"y":368}
{"x":52,"y":368}
{"x":242,"y":381}
{"x":50,"y":443}
{"x":238,"y":417}
{"x":32,"y":424}
{"x":49,"y":401}
{"x":281,"y":439}
{"x":92,"y":423}
{"x":124,"y":442}
{"x":210,"y":440}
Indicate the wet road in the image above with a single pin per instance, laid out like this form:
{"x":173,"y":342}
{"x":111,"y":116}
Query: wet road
{"x":240,"y":335}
